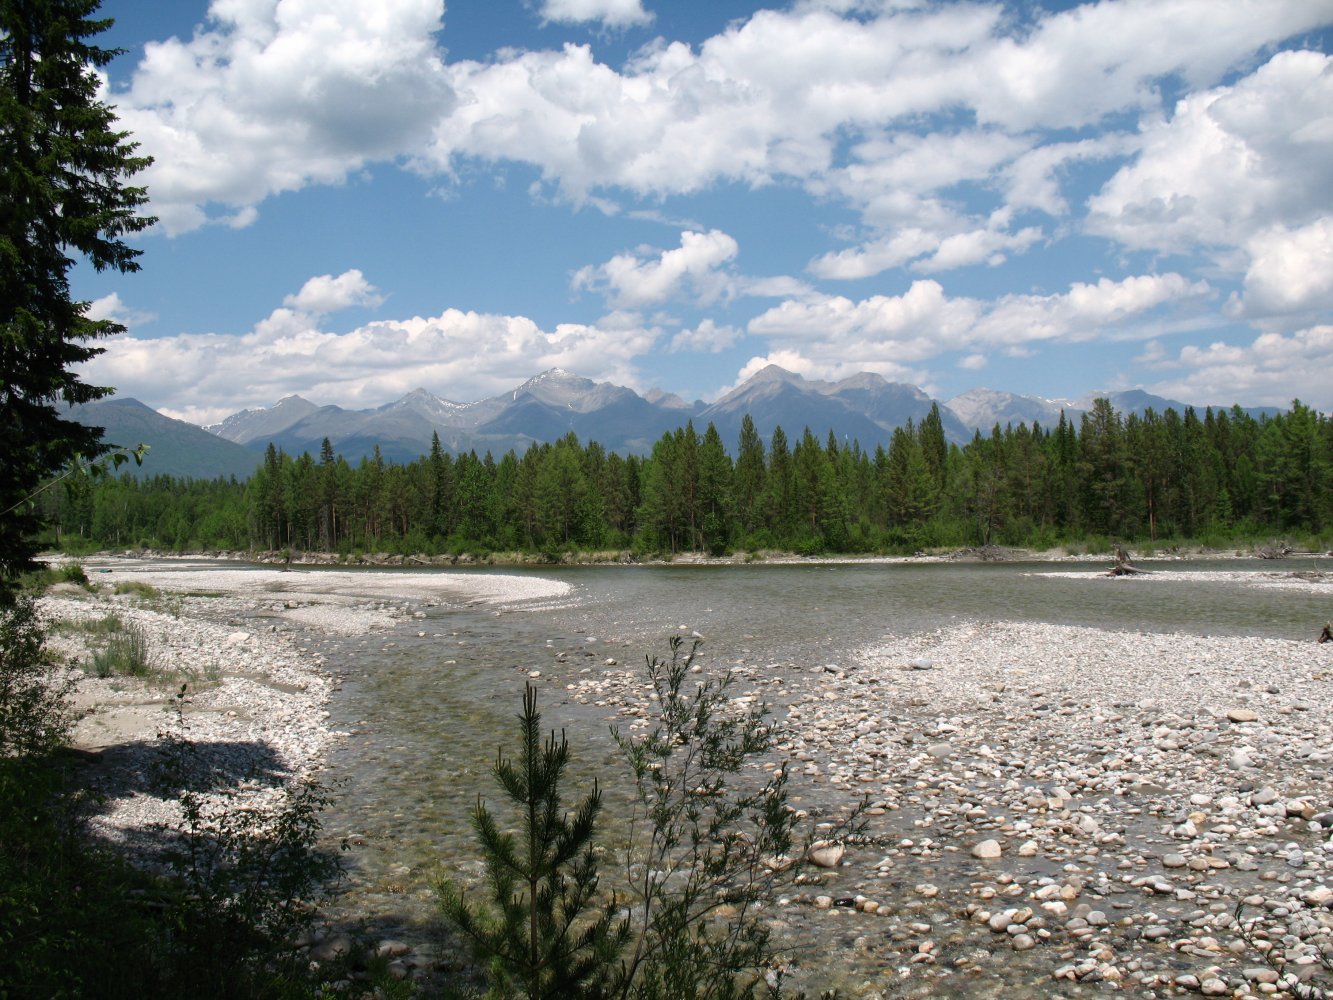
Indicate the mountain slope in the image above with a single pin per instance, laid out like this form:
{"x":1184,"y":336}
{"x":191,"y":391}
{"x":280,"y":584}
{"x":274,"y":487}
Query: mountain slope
{"x":176,"y":448}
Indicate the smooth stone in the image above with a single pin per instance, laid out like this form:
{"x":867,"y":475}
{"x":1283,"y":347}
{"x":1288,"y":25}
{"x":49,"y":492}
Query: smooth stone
{"x":1242,"y":715}
{"x":825,"y":855}
{"x":987,"y":850}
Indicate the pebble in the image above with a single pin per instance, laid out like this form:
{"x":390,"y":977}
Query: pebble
{"x":987,"y":850}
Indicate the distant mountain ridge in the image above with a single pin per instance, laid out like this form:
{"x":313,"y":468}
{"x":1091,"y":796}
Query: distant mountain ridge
{"x":865,"y":407}
{"x":175,"y":447}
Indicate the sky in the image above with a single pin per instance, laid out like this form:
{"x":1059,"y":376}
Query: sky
{"x":358,"y":199}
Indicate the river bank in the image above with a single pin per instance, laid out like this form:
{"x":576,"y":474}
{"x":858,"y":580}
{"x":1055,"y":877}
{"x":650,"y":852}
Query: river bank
{"x":230,"y":685}
{"x":1148,"y":780}
{"x":1055,"y":810}
{"x":1186,"y":552}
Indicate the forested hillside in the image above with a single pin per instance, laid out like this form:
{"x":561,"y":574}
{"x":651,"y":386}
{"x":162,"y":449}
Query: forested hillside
{"x":1152,"y":478}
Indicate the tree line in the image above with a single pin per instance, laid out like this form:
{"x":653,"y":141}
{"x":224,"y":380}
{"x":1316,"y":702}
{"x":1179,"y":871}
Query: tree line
{"x":1132,"y":478}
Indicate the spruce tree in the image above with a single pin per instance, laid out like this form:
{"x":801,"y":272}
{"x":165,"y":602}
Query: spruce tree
{"x":63,"y":192}
{"x":543,"y":934}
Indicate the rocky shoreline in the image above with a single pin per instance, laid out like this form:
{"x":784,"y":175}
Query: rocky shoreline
{"x":234,"y":678}
{"x":1053,"y":810}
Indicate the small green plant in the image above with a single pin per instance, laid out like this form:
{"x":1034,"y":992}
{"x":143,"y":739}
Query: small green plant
{"x":106,"y":625}
{"x":137,"y":588}
{"x":707,"y":841}
{"x":542,"y":933}
{"x":125,"y":652}
{"x":72,"y":572}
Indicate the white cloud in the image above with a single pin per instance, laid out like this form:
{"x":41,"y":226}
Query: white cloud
{"x":1272,"y":370}
{"x":1119,"y":310}
{"x":692,"y":271}
{"x":1291,"y":270}
{"x":111,"y":307}
{"x":824,"y":367}
{"x":273,"y":96}
{"x":925,"y":323}
{"x":972,"y":362}
{"x":707,"y":337}
{"x":457,"y":354}
{"x":1229,"y":163}
{"x":980,"y":246}
{"x":613,"y":13}
{"x":326,"y":294}
{"x":875,"y":256}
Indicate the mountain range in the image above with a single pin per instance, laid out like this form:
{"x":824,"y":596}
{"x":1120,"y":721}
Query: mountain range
{"x":864,"y":407}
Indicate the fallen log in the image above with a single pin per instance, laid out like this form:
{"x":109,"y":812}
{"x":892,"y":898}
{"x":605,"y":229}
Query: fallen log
{"x":1123,"y":567}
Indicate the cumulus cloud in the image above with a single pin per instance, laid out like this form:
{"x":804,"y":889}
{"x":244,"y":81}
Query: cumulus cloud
{"x":326,"y":294}
{"x":1228,"y":163}
{"x":1271,"y":370}
{"x":825,"y":367}
{"x":612,"y":13}
{"x":1291,"y":270}
{"x":692,"y":271}
{"x":269,"y":97}
{"x":980,"y":246}
{"x":707,"y":337}
{"x":111,"y":307}
{"x":925,"y":323}
{"x":274,"y":96}
{"x":458,"y":354}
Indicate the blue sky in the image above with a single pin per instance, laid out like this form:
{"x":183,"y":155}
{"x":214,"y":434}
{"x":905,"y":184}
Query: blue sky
{"x":358,"y":199}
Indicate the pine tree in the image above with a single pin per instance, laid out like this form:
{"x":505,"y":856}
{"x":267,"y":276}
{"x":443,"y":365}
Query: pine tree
{"x":750,"y":477}
{"x":63,"y":168}
{"x":542,"y":934}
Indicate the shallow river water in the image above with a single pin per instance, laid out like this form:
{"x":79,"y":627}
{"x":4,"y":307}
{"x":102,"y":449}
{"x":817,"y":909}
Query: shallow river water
{"x":428,"y":704}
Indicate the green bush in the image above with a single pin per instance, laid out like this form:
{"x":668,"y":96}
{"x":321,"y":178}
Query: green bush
{"x":72,"y":572}
{"x":137,"y":588}
{"x":78,"y":920}
{"x":126,"y":652}
{"x":707,"y":842}
{"x":34,"y":706}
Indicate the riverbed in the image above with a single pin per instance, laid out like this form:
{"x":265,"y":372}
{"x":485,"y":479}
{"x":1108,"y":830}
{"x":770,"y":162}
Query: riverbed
{"x":1139,"y":755}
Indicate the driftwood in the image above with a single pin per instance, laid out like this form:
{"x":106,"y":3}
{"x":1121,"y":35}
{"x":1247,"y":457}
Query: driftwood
{"x":1274,"y":550}
{"x":1123,"y":567}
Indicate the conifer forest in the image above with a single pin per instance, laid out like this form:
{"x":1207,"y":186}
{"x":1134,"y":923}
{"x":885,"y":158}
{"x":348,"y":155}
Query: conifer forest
{"x":1146,"y":479}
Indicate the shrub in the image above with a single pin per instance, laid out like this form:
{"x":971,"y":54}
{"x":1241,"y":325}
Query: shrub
{"x":72,"y":572}
{"x":137,"y":588}
{"x":707,"y":841}
{"x":125,"y":652}
{"x":541,"y":934}
{"x":34,"y":709}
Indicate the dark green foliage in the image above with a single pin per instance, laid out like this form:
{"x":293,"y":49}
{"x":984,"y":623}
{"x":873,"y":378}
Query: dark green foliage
{"x":542,"y":931}
{"x":1147,"y":477}
{"x":242,"y":881}
{"x":63,"y":167}
{"x":34,"y":713}
{"x":78,"y":920}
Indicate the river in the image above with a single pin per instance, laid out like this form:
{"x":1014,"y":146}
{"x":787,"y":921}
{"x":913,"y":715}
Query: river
{"x":427,"y":705}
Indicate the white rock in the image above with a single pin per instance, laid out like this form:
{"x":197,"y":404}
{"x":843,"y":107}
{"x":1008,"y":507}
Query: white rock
{"x":987,"y":850}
